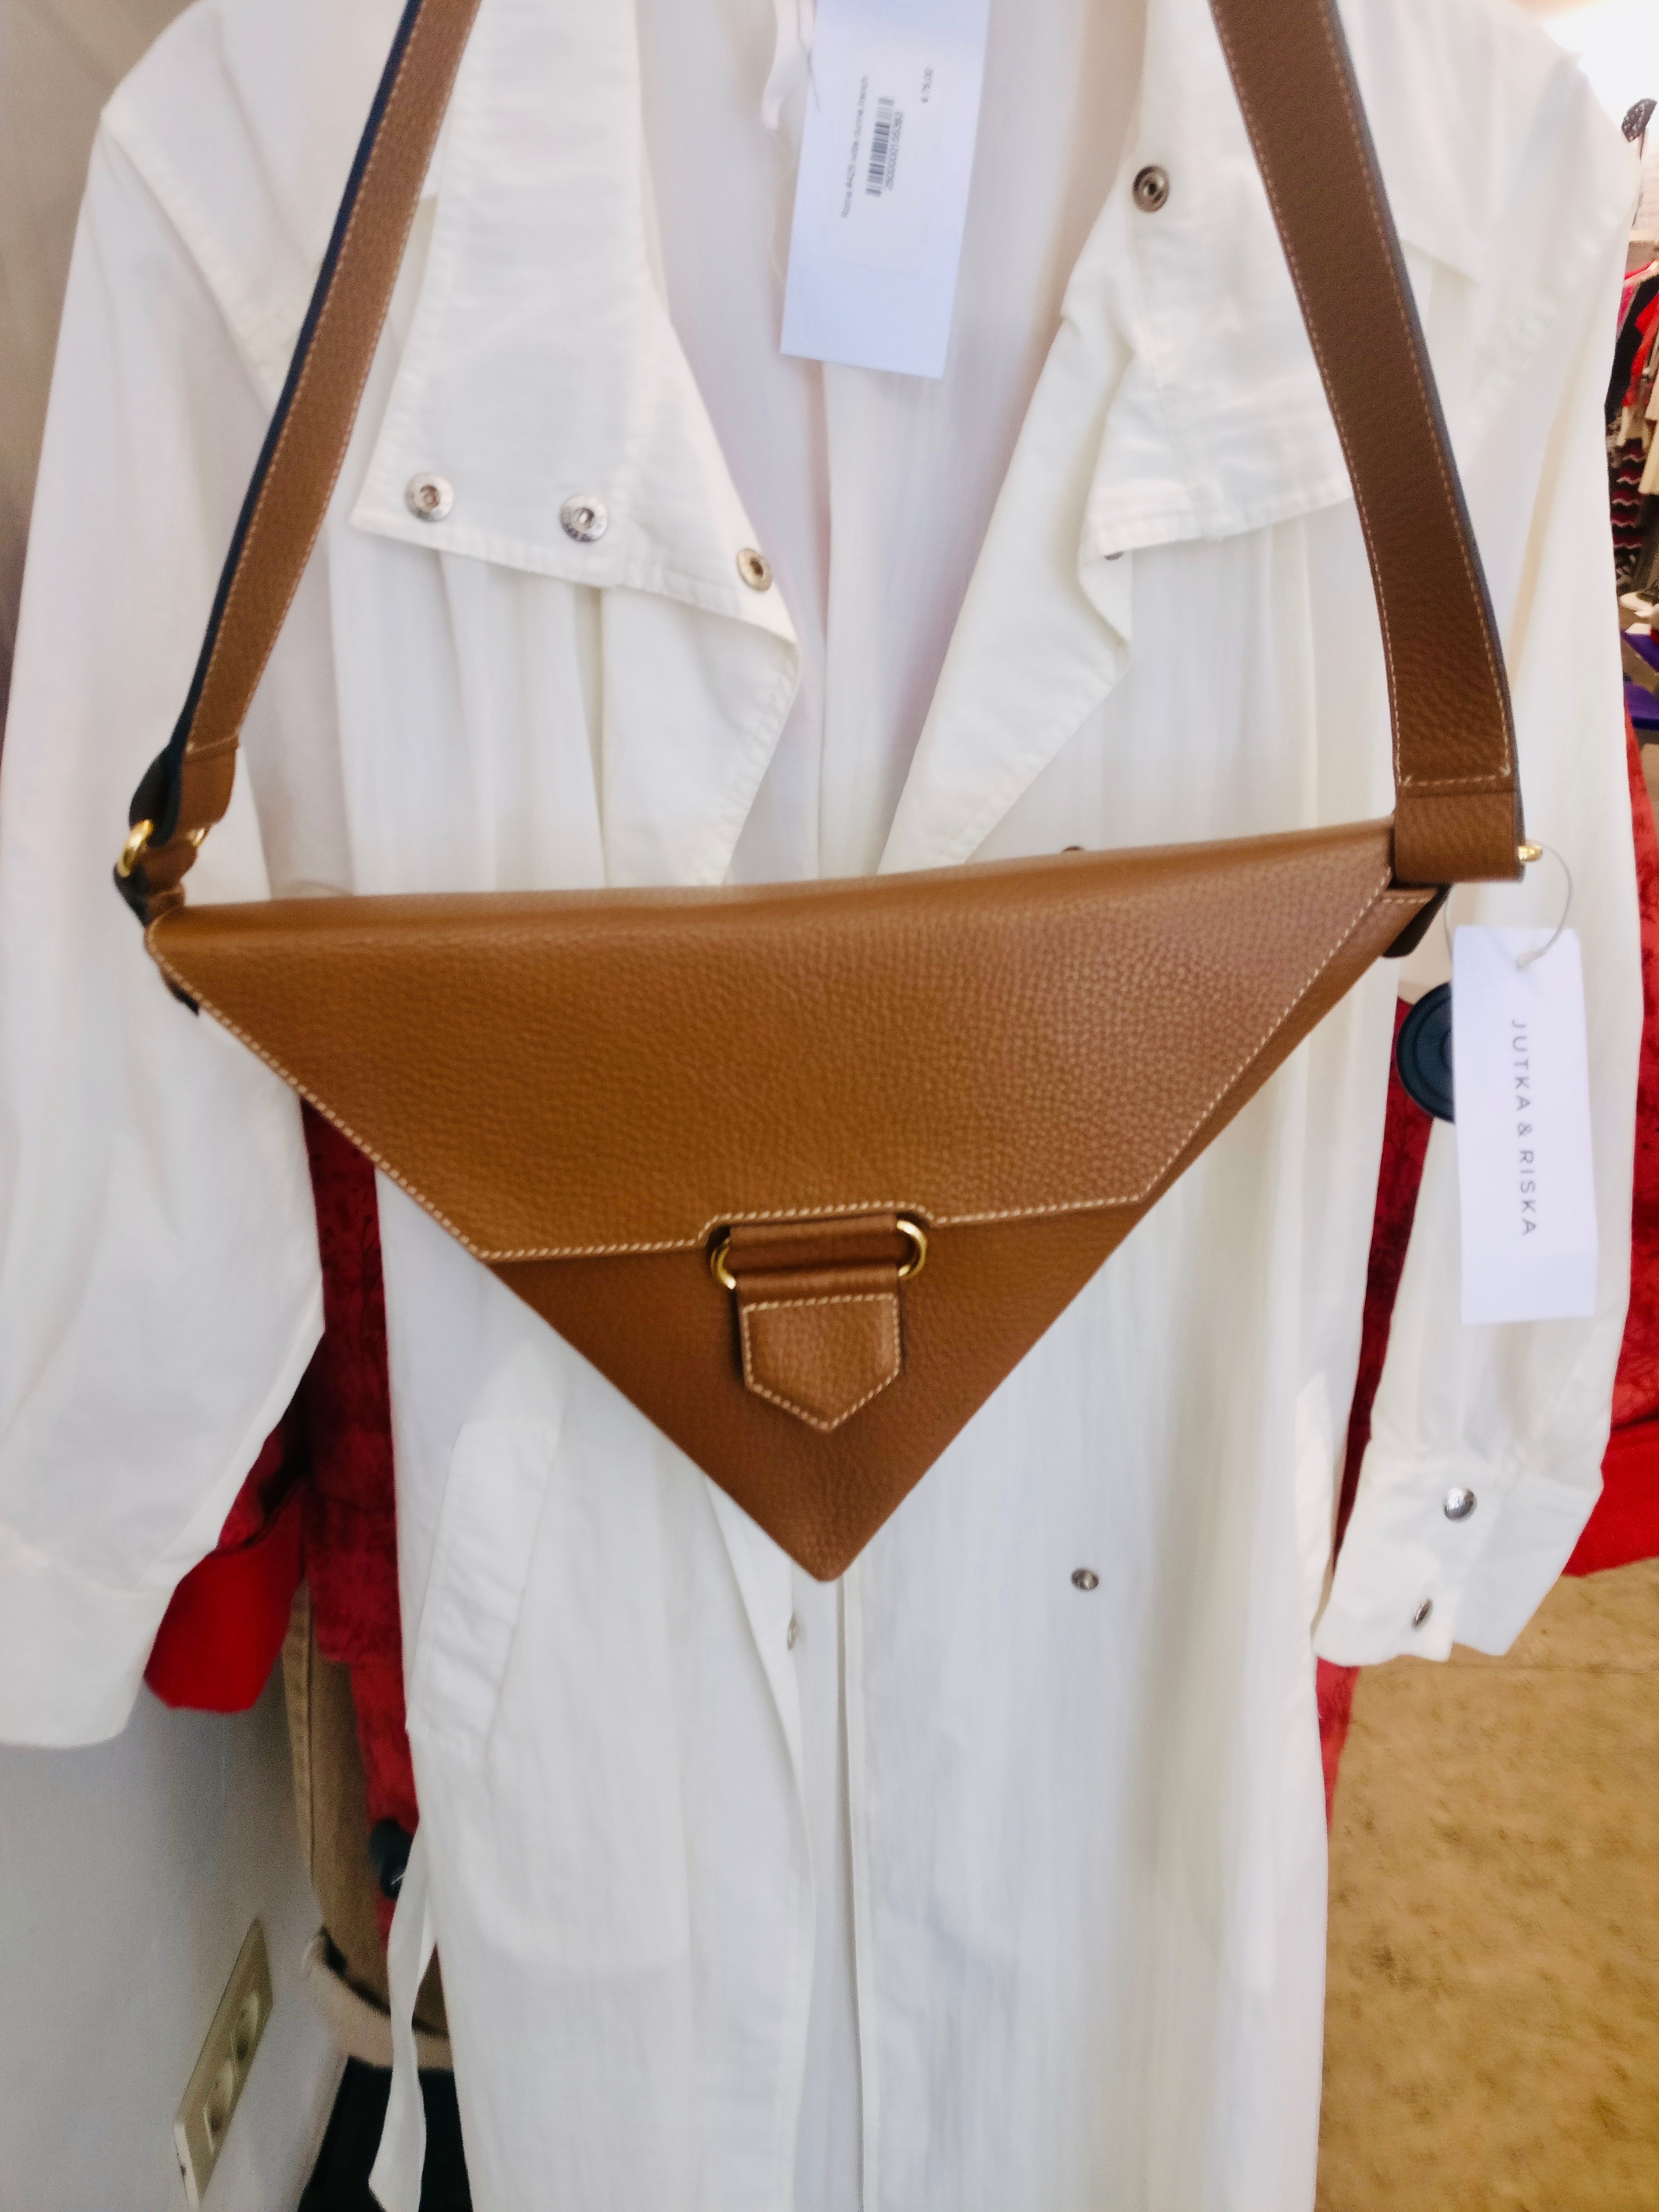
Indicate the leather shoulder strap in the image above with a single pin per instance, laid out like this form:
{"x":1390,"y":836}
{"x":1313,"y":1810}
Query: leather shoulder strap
{"x":1457,"y":798}
{"x":186,"y":787}
{"x":1457,"y":803}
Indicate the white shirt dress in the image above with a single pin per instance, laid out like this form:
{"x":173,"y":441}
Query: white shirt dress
{"x":955,"y":1886}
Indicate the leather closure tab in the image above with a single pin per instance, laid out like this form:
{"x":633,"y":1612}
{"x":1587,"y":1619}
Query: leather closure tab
{"x":817,"y":1308}
{"x":820,"y":1345}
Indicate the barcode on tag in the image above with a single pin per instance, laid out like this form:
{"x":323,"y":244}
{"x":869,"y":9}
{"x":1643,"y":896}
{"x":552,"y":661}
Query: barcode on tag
{"x":1521,"y":1077}
{"x":881,"y":199}
{"x":884,"y":149}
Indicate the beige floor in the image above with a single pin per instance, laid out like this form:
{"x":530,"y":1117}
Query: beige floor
{"x":1492,"y":2026}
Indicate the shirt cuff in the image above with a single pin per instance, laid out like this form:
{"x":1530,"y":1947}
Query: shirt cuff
{"x":72,"y":1652}
{"x":73,"y":1649}
{"x":1421,"y":1568}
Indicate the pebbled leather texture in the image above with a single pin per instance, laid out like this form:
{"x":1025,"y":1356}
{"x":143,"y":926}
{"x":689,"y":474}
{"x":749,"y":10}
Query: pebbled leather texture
{"x":586,"y":1089}
{"x":821,"y":1346}
{"x":567,"y":1074}
{"x":818,"y":1312}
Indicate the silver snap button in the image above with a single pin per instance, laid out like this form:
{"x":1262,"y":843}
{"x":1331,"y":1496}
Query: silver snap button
{"x":792,"y":1634}
{"x":1086,"y":1578}
{"x":1459,"y":1504}
{"x":1423,"y":1612}
{"x":1152,"y":189}
{"x":584,"y":519}
{"x":429,"y":498}
{"x":754,"y":569}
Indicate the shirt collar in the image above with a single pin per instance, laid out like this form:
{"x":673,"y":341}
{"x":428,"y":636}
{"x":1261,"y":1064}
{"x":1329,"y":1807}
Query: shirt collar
{"x":1182,"y":398}
{"x":540,"y":250}
{"x":539,"y":254}
{"x":1182,"y":389}
{"x":541,"y":378}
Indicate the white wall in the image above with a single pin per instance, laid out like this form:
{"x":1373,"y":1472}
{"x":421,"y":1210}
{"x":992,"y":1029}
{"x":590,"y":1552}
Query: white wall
{"x":59,"y":62}
{"x":1617,"y":43}
{"x":129,"y":1874}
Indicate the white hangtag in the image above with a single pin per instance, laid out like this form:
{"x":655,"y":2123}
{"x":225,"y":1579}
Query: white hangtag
{"x":1520,"y":1079}
{"x":886,"y":157}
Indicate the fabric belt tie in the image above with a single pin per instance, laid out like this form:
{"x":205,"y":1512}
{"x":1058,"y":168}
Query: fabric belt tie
{"x":401,"y":2158}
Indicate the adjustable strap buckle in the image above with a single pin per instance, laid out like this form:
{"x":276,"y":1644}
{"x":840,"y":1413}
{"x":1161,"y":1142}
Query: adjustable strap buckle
{"x":150,"y":877}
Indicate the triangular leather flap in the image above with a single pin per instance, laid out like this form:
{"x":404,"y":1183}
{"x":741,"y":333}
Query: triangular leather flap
{"x":563,"y":1074}
{"x":582,"y":1089}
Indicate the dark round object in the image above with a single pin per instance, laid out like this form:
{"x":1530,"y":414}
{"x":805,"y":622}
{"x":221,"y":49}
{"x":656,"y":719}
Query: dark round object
{"x":388,"y":1854}
{"x":1423,"y":1053}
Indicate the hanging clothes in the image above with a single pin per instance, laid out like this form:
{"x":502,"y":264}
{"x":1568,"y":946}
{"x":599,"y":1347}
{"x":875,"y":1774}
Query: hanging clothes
{"x":1630,"y":424}
{"x":963,"y":1883}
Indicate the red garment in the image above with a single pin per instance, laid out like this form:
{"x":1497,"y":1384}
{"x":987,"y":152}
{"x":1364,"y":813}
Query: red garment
{"x":351,"y":1534}
{"x":1406,"y":1129}
{"x":333,"y":1460}
{"x":1636,"y":1385}
{"x":1334,"y":1689}
{"x":220,"y":1634}
{"x":1647,"y":322}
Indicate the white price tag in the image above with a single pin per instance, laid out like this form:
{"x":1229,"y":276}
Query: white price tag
{"x":1521,"y":1078}
{"x":887,"y":155}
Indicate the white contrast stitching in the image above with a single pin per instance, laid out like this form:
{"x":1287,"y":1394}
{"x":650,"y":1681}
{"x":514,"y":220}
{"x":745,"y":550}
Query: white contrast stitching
{"x":311,"y":1099}
{"x":827,"y":1210}
{"x":888,"y":1299}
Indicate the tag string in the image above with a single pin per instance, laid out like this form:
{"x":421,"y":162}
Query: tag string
{"x":1525,"y":960}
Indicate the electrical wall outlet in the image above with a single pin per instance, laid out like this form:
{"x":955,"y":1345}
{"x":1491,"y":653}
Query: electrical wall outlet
{"x":216,"y":2084}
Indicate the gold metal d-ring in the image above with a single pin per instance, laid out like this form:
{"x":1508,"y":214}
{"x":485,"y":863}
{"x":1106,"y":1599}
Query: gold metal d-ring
{"x":137,"y":837}
{"x":912,"y":1268}
{"x":918,"y":1237}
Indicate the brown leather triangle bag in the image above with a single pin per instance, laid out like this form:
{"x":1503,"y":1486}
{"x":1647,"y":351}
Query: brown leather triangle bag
{"x":805,"y":1170}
